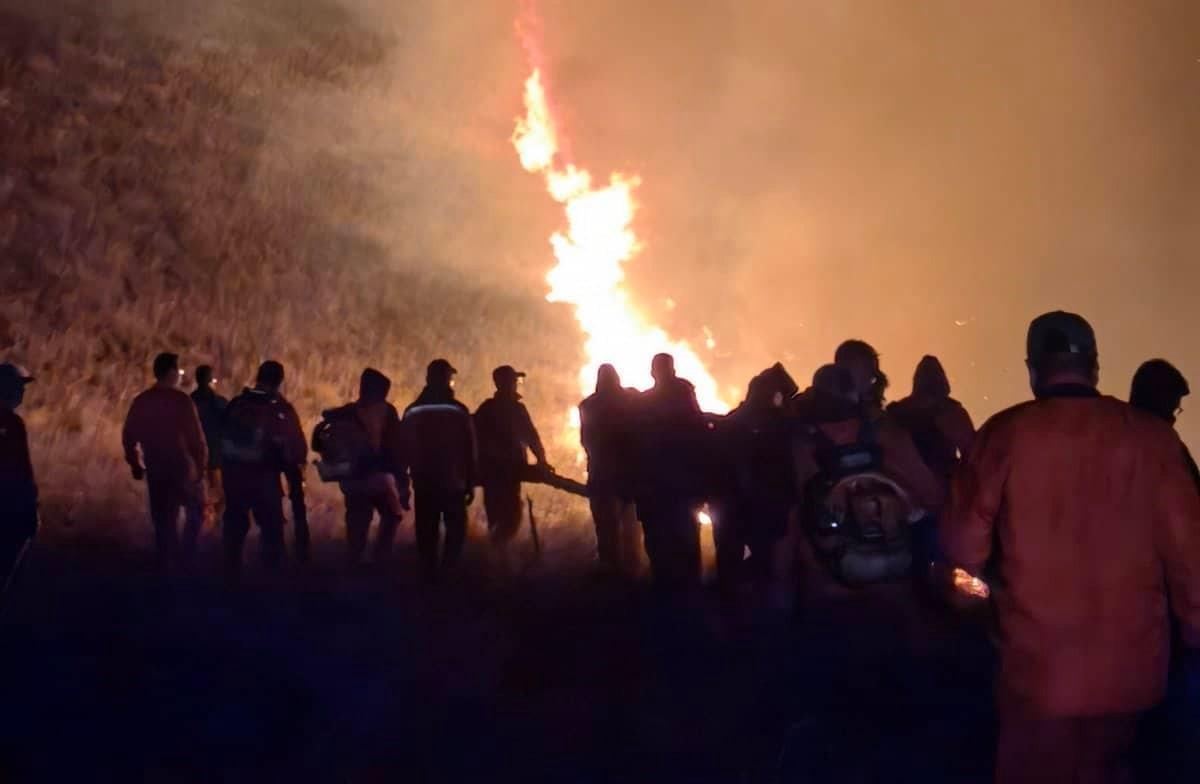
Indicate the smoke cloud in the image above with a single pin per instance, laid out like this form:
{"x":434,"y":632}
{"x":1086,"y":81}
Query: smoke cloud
{"x":927,"y":178}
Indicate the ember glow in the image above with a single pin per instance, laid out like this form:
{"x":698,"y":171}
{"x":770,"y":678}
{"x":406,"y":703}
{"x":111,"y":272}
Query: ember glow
{"x":590,"y":253}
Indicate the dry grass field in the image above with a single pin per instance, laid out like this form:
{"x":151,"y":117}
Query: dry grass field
{"x":147,"y":203}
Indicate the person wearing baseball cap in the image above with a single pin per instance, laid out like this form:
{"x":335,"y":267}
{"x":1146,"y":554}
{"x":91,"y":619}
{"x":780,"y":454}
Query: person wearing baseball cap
{"x":439,"y":443}
{"x":506,"y":435}
{"x":18,"y":490}
{"x":1078,"y":509}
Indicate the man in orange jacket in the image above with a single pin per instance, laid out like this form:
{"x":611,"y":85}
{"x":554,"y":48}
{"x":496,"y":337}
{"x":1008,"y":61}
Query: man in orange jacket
{"x":164,"y":444}
{"x":1085,"y":516}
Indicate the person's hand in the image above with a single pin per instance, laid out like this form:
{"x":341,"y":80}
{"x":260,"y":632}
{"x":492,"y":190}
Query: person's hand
{"x":138,"y":472}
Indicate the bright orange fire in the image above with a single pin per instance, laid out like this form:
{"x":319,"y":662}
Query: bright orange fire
{"x":591,"y":252}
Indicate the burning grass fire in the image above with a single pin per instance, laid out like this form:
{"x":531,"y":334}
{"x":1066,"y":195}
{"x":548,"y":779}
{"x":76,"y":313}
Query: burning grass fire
{"x":590,"y":254}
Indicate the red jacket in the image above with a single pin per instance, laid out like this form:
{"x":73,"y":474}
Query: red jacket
{"x":1092,"y":521}
{"x":164,"y":423}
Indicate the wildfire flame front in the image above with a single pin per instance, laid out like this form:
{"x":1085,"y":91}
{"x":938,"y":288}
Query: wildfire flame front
{"x":590,"y":254}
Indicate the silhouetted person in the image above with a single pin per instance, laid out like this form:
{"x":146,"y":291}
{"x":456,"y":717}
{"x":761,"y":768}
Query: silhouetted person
{"x":506,"y":435}
{"x":940,"y":425}
{"x":1159,"y":388}
{"x":671,"y":430}
{"x":863,"y":485}
{"x":18,"y":490}
{"x":1083,"y":507}
{"x":439,"y":441}
{"x":211,"y":408}
{"x":164,"y":444}
{"x":942,"y":431}
{"x":754,"y":448}
{"x":261,"y":440}
{"x":370,"y":432}
{"x":861,"y":360}
{"x":605,"y":430}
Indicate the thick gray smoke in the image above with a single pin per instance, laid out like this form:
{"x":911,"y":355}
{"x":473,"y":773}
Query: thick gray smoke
{"x":927,"y":177}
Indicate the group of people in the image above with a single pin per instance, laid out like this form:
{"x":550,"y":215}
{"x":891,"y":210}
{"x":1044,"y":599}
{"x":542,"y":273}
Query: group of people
{"x":205,"y":457}
{"x":1078,"y":514}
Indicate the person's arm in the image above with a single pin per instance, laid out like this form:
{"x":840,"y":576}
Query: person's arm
{"x":532,"y":439}
{"x":470,"y":447}
{"x":193,"y":434}
{"x":131,"y":436}
{"x":957,"y":428}
{"x":587,"y":436}
{"x":1179,"y":539}
{"x":295,"y":444}
{"x":966,"y":529}
{"x":1193,"y":469}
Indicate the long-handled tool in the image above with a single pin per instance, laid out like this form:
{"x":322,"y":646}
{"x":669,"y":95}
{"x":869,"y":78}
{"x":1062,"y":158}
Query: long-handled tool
{"x":18,"y":563}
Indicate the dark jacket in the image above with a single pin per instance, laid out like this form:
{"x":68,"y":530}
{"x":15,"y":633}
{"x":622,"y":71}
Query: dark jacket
{"x":606,"y":432}
{"x":671,"y":433}
{"x":18,"y":491}
{"x":285,"y":447}
{"x":211,"y":408}
{"x":164,"y":423}
{"x":755,"y":442}
{"x":504,"y":432}
{"x":1092,"y":521}
{"x":940,"y":426}
{"x":439,"y":440}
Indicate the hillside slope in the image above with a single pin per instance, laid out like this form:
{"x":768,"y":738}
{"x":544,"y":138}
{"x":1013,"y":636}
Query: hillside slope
{"x":135,"y":217}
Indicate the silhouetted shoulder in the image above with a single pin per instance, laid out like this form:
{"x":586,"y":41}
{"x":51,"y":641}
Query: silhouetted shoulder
{"x":1007,"y":418}
{"x":341,"y":412}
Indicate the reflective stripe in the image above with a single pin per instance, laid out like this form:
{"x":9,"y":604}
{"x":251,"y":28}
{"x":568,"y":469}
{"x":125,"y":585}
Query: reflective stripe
{"x":430,"y":407}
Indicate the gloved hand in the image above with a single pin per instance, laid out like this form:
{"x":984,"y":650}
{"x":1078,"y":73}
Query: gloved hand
{"x":138,"y":472}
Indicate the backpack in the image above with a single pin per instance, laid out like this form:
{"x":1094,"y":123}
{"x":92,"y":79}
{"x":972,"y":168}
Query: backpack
{"x":245,"y":436}
{"x":343,"y":444}
{"x":857,"y":518}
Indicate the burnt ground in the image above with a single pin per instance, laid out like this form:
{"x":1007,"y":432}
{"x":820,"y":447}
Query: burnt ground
{"x":113,"y":675}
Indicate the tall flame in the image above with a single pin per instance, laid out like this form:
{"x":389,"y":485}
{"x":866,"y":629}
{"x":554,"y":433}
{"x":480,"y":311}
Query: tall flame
{"x":591,"y":252}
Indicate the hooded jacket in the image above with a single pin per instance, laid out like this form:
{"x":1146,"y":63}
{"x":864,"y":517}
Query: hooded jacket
{"x":940,"y":427}
{"x":606,"y":431}
{"x":1092,"y":523}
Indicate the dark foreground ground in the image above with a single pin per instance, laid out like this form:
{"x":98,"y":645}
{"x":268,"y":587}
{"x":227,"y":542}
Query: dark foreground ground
{"x":110,"y":675}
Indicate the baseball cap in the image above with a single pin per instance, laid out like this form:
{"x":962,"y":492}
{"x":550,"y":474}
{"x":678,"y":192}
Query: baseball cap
{"x":1060,"y":333}
{"x":439,"y":369}
{"x":506,"y":374}
{"x":11,"y":374}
